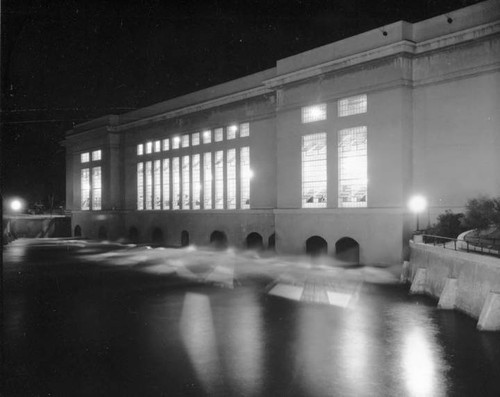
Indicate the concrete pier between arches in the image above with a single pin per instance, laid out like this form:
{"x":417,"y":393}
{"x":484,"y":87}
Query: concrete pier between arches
{"x":463,"y":281}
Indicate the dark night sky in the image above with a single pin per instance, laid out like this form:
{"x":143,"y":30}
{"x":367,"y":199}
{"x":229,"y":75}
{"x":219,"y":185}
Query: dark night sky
{"x":68,"y":61}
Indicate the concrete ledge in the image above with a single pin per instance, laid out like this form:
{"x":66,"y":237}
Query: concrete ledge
{"x":461,"y":280}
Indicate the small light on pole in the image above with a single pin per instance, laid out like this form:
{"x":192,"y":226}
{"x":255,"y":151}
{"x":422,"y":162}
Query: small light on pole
{"x":16,"y":205}
{"x":417,"y":204}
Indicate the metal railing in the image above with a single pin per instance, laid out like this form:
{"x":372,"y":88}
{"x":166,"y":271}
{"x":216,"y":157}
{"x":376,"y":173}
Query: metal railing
{"x":483,"y":245}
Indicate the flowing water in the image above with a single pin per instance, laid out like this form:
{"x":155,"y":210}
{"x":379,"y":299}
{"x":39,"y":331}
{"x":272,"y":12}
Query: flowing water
{"x":83,"y":318}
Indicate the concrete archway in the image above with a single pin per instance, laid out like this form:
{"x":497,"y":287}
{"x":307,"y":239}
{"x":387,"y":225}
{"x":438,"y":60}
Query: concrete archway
{"x":184,"y":238}
{"x":133,"y":235}
{"x":78,"y":231}
{"x":316,"y":246}
{"x":254,"y":241}
{"x":347,"y":250}
{"x":157,"y":236}
{"x":102,"y":233}
{"x":218,"y":239}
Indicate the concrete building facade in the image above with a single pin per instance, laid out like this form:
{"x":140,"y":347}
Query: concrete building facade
{"x":324,"y":150}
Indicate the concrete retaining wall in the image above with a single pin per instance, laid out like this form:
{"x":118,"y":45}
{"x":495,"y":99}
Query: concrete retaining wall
{"x":477,"y":277}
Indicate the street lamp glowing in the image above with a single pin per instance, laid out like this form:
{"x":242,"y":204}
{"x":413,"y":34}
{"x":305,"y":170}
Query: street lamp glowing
{"x":417,"y":204}
{"x":16,"y":205}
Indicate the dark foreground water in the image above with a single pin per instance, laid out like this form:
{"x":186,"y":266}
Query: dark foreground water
{"x":89,"y":319}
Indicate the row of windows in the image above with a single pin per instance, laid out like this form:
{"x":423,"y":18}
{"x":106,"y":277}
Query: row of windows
{"x":217,"y":135}
{"x":209,"y":180}
{"x":346,"y":107}
{"x":352,"y":166}
{"x":96,"y":156}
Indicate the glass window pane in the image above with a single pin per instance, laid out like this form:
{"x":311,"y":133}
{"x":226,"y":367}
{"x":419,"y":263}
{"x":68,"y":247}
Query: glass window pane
{"x":140,"y":149}
{"x":186,"y":183}
{"x":314,"y":113}
{"x":157,"y":185}
{"x":157,"y":146}
{"x":166,"y":184}
{"x":176,"y":141}
{"x":314,"y":177}
{"x":195,"y":139}
{"x":196,"y":182}
{"x":96,"y":155}
{"x":176,"y":187}
{"x":207,"y":181}
{"x":85,"y":157}
{"x":246,"y":175}
{"x":185,"y":141}
{"x":353,"y":167}
{"x":207,"y":136}
{"x":219,"y":179}
{"x":353,"y":105}
{"x":244,"y":130}
{"x":231,"y":179}
{"x":231,"y":132}
{"x":149,"y":185}
{"x":218,"y":133}
{"x":85,"y":189}
{"x":140,"y":186}
{"x":96,"y":188}
{"x":149,"y":147}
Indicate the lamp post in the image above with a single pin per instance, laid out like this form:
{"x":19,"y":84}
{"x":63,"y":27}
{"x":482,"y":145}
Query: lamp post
{"x":417,"y":204}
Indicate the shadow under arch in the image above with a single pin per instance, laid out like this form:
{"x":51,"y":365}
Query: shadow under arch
{"x":157,"y":236}
{"x":78,"y":231}
{"x":316,"y":246}
{"x":254,"y":241}
{"x":347,"y":250}
{"x":133,"y":235}
{"x":184,"y":238}
{"x":102,"y":234}
{"x":271,"y":242}
{"x":218,"y":239}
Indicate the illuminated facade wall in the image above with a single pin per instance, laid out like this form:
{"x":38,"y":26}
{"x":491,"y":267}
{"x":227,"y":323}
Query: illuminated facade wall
{"x":330,"y":143}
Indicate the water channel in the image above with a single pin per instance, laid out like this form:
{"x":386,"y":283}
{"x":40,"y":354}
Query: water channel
{"x":84,"y":318}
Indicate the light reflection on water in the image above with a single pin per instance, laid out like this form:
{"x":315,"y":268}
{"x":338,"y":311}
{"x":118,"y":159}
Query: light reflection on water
{"x":223,"y":333}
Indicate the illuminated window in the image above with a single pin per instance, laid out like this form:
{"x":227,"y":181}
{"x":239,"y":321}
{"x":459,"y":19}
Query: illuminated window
{"x":196,"y":182}
{"x":231,"y":179}
{"x":166,"y":144}
{"x":314,"y":171}
{"x":176,"y":141}
{"x":166,"y":184}
{"x":207,"y":136}
{"x":157,"y":146}
{"x":245,"y":175}
{"x":96,"y":188}
{"x":353,"y":105}
{"x":157,"y":185}
{"x":353,"y":167}
{"x":218,"y":135}
{"x":186,"y":183}
{"x":85,"y":157}
{"x":140,"y":186}
{"x":96,"y":155}
{"x":314,"y":113}
{"x":176,"y":187}
{"x":231,"y":132}
{"x":195,"y":139}
{"x":244,"y":130}
{"x":149,"y":147}
{"x":149,"y":185}
{"x":219,"y":179}
{"x":140,"y":149}
{"x":207,"y":181}
{"x":85,"y":189}
{"x":185,"y":141}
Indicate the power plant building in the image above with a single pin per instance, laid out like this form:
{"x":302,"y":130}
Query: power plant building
{"x":323,"y":151}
